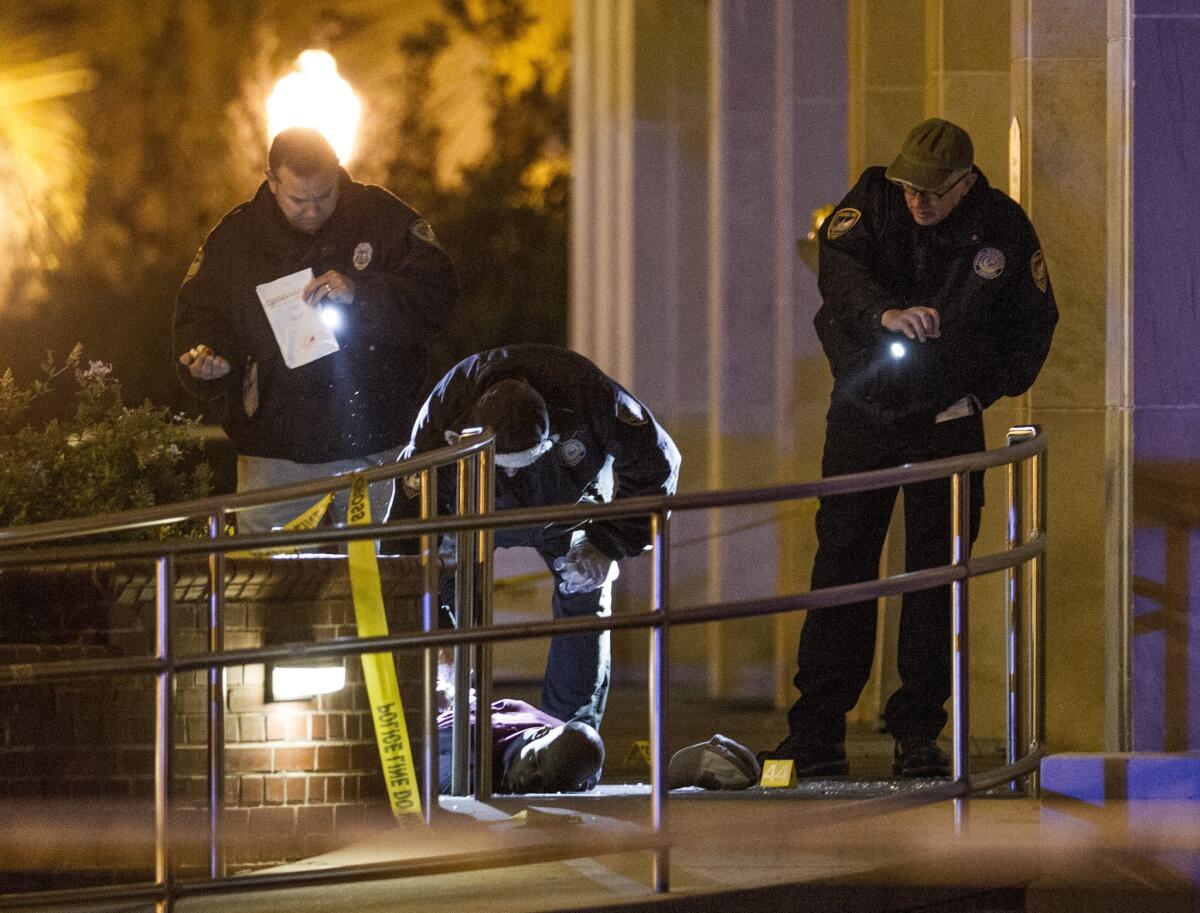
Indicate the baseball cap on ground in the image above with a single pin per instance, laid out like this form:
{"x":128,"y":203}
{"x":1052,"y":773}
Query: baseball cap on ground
{"x":933,"y":150}
{"x":719,"y":763}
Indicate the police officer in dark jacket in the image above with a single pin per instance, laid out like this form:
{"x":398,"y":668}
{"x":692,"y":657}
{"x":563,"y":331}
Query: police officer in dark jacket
{"x":566,"y":433}
{"x":378,"y":273}
{"x":936,"y":302}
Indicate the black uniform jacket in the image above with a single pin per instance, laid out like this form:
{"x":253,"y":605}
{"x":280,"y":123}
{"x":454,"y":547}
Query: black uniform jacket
{"x":356,"y":401}
{"x":981,"y":268}
{"x":594,"y":421}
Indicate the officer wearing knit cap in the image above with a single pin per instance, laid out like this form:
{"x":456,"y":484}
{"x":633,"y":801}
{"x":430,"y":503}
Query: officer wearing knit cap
{"x":936,"y":303}
{"x":566,"y":433}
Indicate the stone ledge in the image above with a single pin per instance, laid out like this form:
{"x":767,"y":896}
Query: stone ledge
{"x":1119,"y":775}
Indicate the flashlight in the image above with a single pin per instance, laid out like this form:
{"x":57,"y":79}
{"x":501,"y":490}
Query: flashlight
{"x":331,"y":317}
{"x":898,"y":350}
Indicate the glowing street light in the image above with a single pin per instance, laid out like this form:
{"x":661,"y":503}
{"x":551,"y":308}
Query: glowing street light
{"x":315,"y":95}
{"x":44,"y":168}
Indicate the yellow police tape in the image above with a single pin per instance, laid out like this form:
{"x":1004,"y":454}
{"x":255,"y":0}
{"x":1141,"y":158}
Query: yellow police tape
{"x":383,"y":691}
{"x":310,"y":519}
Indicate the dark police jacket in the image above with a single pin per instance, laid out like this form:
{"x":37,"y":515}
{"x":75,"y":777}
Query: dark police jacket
{"x":356,"y":401}
{"x":596,"y":425}
{"x":981,"y":268}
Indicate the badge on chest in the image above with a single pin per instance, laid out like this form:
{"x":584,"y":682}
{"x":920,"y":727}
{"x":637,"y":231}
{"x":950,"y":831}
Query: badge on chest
{"x":989,"y":263}
{"x":572,"y":451}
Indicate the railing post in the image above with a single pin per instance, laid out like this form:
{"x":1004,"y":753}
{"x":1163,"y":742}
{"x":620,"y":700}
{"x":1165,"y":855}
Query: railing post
{"x":1013,"y":606}
{"x":216,"y":699}
{"x":486,"y":502}
{"x":659,"y":602}
{"x":164,"y":736}
{"x":464,"y":612}
{"x":960,"y":532}
{"x":429,"y":608}
{"x":1037,"y":617}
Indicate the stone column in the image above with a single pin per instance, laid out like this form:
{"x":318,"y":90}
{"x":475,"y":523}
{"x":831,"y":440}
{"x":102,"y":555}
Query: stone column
{"x":911,"y":60}
{"x":1058,"y":91}
{"x":820,"y":89}
{"x":887,"y":78}
{"x":639,"y":252}
{"x":1119,"y":413}
{"x":704,"y":137}
{"x":967,"y":62}
{"x":967,"y":59}
{"x":1163,"y":143}
{"x":889,"y":93}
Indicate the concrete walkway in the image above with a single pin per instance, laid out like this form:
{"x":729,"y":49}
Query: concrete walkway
{"x":753,"y":853}
{"x":807,"y":849}
{"x":758,"y":851}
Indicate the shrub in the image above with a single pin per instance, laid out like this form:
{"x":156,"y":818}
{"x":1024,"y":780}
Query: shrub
{"x":104,"y":456}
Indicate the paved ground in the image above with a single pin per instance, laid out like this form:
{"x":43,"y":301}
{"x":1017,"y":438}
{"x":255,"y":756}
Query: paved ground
{"x":694,"y":718}
{"x":742,"y":853}
{"x":811,"y":849}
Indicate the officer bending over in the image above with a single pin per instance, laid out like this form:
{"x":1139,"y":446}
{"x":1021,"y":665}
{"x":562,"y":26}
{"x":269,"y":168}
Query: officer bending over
{"x":566,"y":433}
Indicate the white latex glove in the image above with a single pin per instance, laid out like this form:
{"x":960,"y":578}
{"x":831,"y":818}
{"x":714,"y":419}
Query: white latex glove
{"x":583,"y":569}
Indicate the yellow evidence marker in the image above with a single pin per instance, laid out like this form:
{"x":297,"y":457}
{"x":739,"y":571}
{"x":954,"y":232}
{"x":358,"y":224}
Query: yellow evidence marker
{"x":778,"y":774}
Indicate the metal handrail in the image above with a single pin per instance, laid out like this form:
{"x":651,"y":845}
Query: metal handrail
{"x":826,"y":598}
{"x":1030,"y":548}
{"x":907,"y":474}
{"x":182,"y":511}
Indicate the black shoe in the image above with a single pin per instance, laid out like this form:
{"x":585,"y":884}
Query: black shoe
{"x":920,"y":758}
{"x":812,"y":759}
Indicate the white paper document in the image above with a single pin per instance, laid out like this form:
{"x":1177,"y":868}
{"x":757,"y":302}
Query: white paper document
{"x":298,"y":328}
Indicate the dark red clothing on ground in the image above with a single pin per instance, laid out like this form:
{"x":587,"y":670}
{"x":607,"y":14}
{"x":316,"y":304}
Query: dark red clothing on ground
{"x":510,"y":718}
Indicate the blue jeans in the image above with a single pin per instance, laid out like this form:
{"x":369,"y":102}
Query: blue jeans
{"x":578,"y":667}
{"x":254,"y":473}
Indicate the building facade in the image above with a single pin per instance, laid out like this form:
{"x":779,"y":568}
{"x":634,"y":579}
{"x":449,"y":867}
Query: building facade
{"x":707,"y":133}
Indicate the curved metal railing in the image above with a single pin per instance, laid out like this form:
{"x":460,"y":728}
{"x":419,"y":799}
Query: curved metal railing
{"x":473,"y":525}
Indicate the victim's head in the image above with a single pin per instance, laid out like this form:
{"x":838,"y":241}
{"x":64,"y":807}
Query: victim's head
{"x":553,"y":759}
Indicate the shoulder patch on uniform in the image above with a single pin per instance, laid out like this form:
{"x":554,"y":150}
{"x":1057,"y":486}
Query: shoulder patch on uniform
{"x":572,"y":450}
{"x":989,"y":263}
{"x":362,"y":255}
{"x":842,"y":221}
{"x":1037,"y":266}
{"x":195,"y":267}
{"x":630,"y":411}
{"x":422,"y":230}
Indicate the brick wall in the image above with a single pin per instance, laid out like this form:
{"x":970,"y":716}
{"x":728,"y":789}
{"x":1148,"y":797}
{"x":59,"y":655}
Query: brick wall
{"x":301,"y":777}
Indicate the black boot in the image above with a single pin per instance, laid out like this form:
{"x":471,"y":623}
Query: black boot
{"x":920,"y":758}
{"x":812,"y":759}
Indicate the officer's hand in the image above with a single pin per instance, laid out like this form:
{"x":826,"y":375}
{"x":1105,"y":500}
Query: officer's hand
{"x":331,"y":287}
{"x":916,"y":322}
{"x":204,"y":364}
{"x":583,"y":569}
